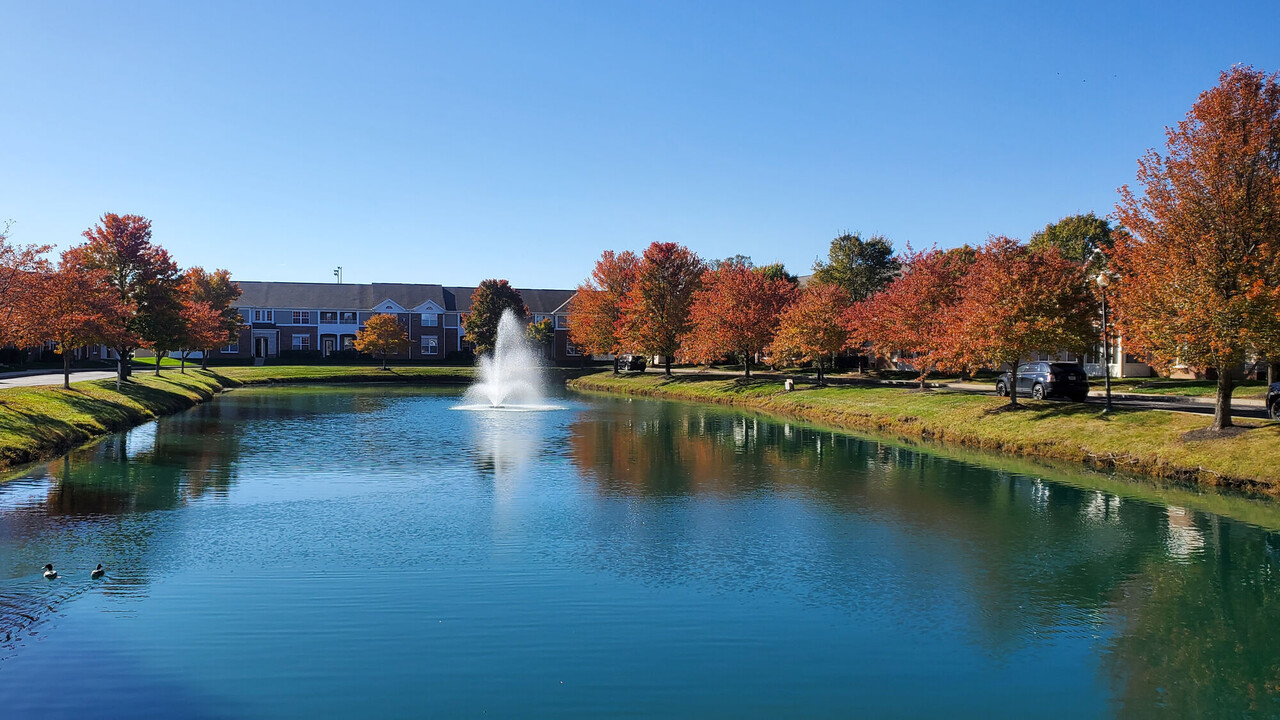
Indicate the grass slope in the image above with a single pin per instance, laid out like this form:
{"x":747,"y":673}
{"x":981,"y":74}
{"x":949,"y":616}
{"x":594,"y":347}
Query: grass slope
{"x":1148,"y":442}
{"x":39,"y":422}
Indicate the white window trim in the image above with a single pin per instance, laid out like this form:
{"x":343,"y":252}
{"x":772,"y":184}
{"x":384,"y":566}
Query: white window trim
{"x":430,"y":320}
{"x":232,"y":348}
{"x":430,"y":345}
{"x":301,"y":342}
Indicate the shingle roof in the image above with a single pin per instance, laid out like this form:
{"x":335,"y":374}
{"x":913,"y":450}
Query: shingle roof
{"x":350,"y":296}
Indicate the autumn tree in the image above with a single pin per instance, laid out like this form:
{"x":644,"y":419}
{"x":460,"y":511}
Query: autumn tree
{"x":143,"y":276}
{"x":1081,"y":239}
{"x":596,"y":306}
{"x":913,"y":314}
{"x":203,"y":328}
{"x":655,"y":312}
{"x":74,"y":307}
{"x":488,"y":302}
{"x":1015,"y":300}
{"x":20,"y":269}
{"x":734,"y":312}
{"x":861,"y":267}
{"x":814,"y":326}
{"x":1198,"y":270}
{"x":218,"y":291}
{"x":541,"y":333}
{"x":381,"y":336}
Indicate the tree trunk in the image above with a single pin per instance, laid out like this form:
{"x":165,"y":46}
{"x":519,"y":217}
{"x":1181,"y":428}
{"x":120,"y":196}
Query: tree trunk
{"x":1273,"y":369}
{"x":746,"y":364}
{"x":384,"y":362}
{"x":182,"y":363}
{"x":1013,"y":384}
{"x":66,"y":369}
{"x":122,"y":370}
{"x":615,"y":364}
{"x":1222,"y":404}
{"x":666,"y":364}
{"x":204,"y":358}
{"x":819,"y":363}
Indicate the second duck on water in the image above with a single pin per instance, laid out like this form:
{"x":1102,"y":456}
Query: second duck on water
{"x":97,"y":572}
{"x":49,"y":572}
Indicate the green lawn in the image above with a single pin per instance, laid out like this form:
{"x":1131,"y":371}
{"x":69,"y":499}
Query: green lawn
{"x":1147,"y":442}
{"x":250,"y":375}
{"x":37,"y":422}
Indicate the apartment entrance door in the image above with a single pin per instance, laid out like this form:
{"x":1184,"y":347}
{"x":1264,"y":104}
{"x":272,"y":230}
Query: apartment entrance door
{"x":328,"y":346}
{"x":260,"y":347}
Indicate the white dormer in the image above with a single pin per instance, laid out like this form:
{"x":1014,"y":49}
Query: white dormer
{"x":429,"y":308}
{"x":388,"y":306}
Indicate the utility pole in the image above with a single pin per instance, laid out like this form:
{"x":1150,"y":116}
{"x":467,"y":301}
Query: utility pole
{"x":337,"y":273}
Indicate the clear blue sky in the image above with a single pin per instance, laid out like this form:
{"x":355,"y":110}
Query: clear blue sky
{"x":416,"y":142}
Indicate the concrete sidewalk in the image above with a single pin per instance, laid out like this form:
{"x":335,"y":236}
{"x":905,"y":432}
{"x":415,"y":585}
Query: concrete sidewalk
{"x":36,"y":378}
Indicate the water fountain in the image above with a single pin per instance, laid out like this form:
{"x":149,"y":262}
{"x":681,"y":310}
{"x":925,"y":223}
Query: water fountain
{"x":510,"y":378}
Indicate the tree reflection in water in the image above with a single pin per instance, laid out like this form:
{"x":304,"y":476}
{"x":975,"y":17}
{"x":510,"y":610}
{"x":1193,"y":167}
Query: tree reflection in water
{"x":1182,"y":605}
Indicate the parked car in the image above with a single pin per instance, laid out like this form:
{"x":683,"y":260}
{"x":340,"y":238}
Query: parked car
{"x":1047,"y":379}
{"x":1273,"y":401}
{"x":631,"y":363}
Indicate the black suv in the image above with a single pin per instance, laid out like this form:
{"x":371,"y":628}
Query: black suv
{"x":1273,"y":401}
{"x":1047,"y":379}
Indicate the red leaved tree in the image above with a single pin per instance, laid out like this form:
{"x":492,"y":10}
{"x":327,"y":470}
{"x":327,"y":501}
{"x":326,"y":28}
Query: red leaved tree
{"x":735,"y":312}
{"x":1198,"y":266}
{"x":655,"y":313}
{"x":203,"y":328}
{"x":1015,"y":300}
{"x":219,"y":292}
{"x":143,"y":276}
{"x":814,"y":326}
{"x":75,"y":307}
{"x":21,"y":267}
{"x":912,"y":315}
{"x":594,"y":310}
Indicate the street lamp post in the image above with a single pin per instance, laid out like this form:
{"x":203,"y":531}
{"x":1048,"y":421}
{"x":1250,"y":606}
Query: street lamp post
{"x":1103,"y":282}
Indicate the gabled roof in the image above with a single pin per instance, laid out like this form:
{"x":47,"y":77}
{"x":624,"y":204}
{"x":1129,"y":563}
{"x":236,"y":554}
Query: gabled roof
{"x":349,"y":296}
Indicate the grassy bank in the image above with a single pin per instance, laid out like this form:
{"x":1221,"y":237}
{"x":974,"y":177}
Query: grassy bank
{"x":1148,"y":442}
{"x":46,"y":421}
{"x":41,"y":422}
{"x":426,"y":374}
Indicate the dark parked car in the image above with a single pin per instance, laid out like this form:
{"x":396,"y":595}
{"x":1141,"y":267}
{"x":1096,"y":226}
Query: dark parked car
{"x":1273,"y":401}
{"x":1047,"y":379}
{"x":631,"y":363}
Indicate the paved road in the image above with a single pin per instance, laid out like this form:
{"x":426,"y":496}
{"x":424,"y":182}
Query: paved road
{"x":46,"y":378}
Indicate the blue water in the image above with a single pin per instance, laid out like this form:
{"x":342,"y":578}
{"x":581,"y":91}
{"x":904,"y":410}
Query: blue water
{"x":369,"y":552}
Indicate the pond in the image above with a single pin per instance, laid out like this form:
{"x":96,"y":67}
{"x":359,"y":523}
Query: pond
{"x":369,"y":552}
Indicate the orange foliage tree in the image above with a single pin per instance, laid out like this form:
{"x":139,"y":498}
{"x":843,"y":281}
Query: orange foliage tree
{"x":20,"y":269}
{"x":814,"y":326}
{"x":218,"y":291}
{"x":1198,"y":266}
{"x":912,"y":315}
{"x":74,"y":307}
{"x":203,"y":328}
{"x":381,"y":336}
{"x":594,"y":310}
{"x":655,"y":313}
{"x":143,"y":276}
{"x":1015,"y":300}
{"x":735,"y":312}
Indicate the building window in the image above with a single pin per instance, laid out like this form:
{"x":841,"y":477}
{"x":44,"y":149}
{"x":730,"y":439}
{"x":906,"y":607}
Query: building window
{"x":301,"y":317}
{"x":430,"y":345}
{"x":348,"y":342}
{"x":348,"y":318}
{"x":430,"y":319}
{"x":570,"y":350}
{"x":562,"y":322}
{"x":232,"y":349}
{"x":301,"y":342}
{"x":451,"y":320}
{"x":264,"y":316}
{"x":329,"y":318}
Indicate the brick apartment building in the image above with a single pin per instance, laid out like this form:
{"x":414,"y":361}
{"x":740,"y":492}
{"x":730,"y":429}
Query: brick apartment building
{"x":324,"y":317}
